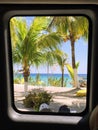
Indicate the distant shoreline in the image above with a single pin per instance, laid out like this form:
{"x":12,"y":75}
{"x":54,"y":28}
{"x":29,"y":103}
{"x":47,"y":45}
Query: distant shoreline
{"x":43,"y":78}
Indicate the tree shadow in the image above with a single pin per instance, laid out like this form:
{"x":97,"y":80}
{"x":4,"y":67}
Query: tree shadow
{"x":69,"y":93}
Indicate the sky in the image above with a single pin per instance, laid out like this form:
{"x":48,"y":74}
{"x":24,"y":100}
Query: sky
{"x":81,"y":54}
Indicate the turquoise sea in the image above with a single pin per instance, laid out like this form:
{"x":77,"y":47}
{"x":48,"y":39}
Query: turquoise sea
{"x":44,"y":77}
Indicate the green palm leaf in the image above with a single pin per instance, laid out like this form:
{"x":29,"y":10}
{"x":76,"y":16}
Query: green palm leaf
{"x":70,"y":70}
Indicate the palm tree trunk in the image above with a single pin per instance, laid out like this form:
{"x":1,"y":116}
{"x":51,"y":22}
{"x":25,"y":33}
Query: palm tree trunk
{"x":26,"y":74}
{"x":76,"y":78}
{"x":73,"y":52}
{"x":73,"y":62}
{"x":62,"y":81}
{"x":47,"y":74}
{"x":25,"y":88}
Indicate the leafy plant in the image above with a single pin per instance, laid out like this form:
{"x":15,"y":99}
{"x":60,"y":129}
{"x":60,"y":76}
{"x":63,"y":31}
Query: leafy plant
{"x":34,"y":100}
{"x":56,"y":82}
{"x":81,"y":93}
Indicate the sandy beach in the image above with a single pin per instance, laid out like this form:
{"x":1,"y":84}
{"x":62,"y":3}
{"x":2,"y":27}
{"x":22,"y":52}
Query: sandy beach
{"x":61,"y":96}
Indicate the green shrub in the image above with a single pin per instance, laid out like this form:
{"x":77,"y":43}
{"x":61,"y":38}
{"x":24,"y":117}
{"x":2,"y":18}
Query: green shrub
{"x":28,"y":101}
{"x":19,"y":81}
{"x":56,"y":81}
{"x":34,"y":100}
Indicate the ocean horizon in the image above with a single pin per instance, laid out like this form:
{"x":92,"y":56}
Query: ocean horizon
{"x":44,"y":77}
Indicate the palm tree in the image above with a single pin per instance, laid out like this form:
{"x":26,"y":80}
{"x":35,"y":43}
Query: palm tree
{"x":71,"y":28}
{"x":49,"y":61}
{"x":31,"y":44}
{"x":71,"y":70}
{"x":61,"y":58}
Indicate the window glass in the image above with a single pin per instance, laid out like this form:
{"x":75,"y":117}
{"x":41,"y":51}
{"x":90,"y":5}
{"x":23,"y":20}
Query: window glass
{"x":50,"y":55}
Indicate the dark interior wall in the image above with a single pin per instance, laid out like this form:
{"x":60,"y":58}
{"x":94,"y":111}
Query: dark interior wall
{"x":5,"y":121}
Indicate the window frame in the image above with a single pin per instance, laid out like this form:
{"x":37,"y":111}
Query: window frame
{"x":19,"y":116}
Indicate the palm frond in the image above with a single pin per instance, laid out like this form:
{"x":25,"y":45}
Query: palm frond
{"x":70,"y":70}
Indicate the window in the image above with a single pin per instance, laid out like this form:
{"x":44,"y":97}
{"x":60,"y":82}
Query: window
{"x":50,"y":62}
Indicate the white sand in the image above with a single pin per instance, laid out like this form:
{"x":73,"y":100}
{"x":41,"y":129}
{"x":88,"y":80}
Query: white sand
{"x":61,"y":96}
